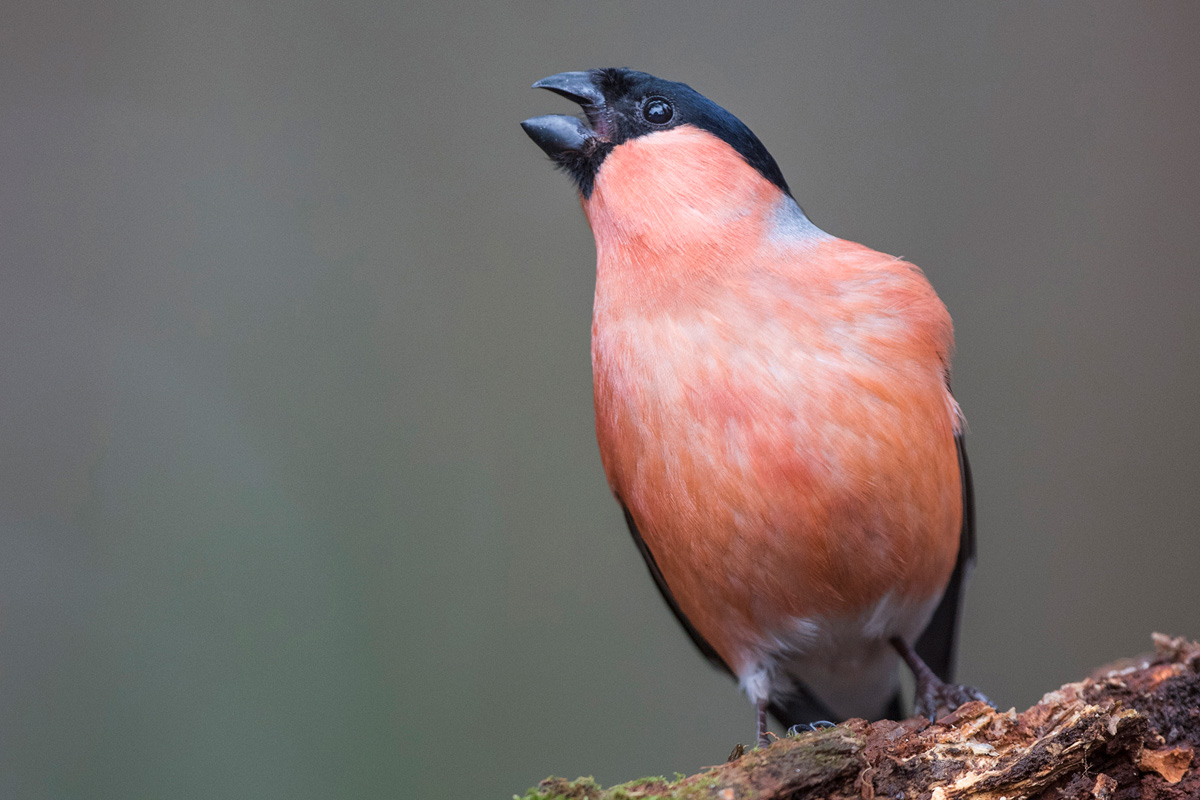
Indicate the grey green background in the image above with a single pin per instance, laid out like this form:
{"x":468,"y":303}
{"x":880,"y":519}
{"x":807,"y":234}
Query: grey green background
{"x":300,"y":494}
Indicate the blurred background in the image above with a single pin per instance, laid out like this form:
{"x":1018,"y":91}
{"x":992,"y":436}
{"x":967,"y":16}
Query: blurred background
{"x":301,"y":497}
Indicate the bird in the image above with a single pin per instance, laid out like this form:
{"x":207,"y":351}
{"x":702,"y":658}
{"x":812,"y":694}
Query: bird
{"x":772,"y":407}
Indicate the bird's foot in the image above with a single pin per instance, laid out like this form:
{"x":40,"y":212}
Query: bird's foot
{"x":760,"y":710}
{"x":808,"y":727}
{"x":935,"y":699}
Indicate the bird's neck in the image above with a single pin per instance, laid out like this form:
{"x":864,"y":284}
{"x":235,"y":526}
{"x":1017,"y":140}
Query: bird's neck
{"x":666,"y":234}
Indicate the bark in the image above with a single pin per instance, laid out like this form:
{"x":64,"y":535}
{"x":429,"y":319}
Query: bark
{"x":1129,"y":731}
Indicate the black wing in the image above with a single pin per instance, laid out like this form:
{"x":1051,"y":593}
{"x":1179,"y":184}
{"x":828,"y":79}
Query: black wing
{"x":701,"y":643}
{"x":939,"y":643}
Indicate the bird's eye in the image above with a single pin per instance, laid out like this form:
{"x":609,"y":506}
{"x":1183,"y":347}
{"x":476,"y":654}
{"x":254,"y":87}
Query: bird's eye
{"x":657,"y":111}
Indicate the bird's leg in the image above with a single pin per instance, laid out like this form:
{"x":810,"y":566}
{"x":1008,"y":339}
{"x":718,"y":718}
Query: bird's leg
{"x":933,"y":694}
{"x":761,"y":708}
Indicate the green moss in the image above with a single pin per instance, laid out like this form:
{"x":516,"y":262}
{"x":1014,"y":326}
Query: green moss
{"x":562,"y":789}
{"x":659,"y":788}
{"x":819,"y":757}
{"x":650,"y":788}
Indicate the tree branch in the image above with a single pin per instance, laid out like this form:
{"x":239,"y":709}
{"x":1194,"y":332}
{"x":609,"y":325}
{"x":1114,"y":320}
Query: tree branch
{"x":1129,"y":731}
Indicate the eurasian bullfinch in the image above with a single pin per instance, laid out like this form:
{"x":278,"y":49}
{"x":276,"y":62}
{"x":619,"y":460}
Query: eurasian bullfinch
{"x":772,"y":407}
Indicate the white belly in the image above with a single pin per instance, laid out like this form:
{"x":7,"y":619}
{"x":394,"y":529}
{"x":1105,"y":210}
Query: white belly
{"x":847,"y":663}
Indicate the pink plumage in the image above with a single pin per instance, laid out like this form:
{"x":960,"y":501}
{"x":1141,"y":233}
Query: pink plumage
{"x":771,"y":401}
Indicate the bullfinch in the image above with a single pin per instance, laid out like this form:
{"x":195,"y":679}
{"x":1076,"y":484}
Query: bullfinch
{"x":772,"y":407}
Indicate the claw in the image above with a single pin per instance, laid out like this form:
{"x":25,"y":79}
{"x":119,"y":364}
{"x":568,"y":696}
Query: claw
{"x":933,"y":701}
{"x":933,"y":694}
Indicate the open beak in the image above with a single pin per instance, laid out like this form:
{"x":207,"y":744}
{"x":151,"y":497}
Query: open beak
{"x":557,"y":133}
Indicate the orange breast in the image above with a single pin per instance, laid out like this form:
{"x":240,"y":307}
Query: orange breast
{"x":772,"y":411}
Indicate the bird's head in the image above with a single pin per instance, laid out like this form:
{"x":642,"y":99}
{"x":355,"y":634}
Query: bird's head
{"x":624,"y":107}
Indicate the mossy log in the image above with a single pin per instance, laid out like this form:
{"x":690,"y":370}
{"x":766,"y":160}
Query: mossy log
{"x":1129,"y":731}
